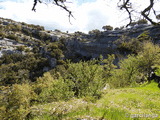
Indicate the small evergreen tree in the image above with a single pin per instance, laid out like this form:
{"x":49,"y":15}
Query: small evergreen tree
{"x":107,"y":27}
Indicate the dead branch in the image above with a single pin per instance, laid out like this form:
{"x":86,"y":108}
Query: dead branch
{"x":59,"y":3}
{"x":65,"y":8}
{"x":148,"y":9}
{"x":127,"y":5}
{"x":35,"y":3}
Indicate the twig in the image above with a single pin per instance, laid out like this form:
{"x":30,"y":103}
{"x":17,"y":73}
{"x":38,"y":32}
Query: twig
{"x":56,"y":2}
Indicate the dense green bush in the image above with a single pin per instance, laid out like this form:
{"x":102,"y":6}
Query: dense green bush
{"x":87,"y":78}
{"x":56,"y":53}
{"x":15,"y":101}
{"x":83,"y":79}
{"x":136,"y":68}
{"x":18,"y":68}
{"x":133,"y":45}
{"x":56,"y":50}
{"x":50,"y":89}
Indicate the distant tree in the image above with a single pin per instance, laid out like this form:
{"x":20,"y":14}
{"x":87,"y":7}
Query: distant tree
{"x":96,"y":31}
{"x":107,"y":27}
{"x":142,"y":21}
{"x":117,"y":28}
{"x":139,"y":22}
{"x":56,"y":30}
{"x":133,"y":24}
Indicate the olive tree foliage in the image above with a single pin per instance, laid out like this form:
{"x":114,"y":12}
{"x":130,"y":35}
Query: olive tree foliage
{"x":126,"y":5}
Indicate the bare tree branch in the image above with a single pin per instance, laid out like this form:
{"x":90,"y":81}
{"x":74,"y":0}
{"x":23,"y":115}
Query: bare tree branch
{"x":127,"y":5}
{"x":148,"y":9}
{"x":59,"y":3}
{"x":65,"y":8}
{"x":35,"y":3}
{"x":124,"y":4}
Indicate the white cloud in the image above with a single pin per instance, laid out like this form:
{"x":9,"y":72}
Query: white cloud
{"x":88,"y":16}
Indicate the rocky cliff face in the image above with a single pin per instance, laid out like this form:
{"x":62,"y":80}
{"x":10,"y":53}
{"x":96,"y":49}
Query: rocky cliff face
{"x":93,"y":45}
{"x":77,"y":44}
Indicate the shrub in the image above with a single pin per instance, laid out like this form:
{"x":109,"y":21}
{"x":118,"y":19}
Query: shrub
{"x":57,"y":53}
{"x":56,"y":30}
{"x":135,"y":69}
{"x":87,"y":78}
{"x":117,"y":28}
{"x":133,"y":45}
{"x":96,"y":31}
{"x":27,"y":31}
{"x":12,"y":36}
{"x":149,"y":56}
{"x":144,"y":37}
{"x":107,"y":27}
{"x":20,"y":48}
{"x":127,"y":44}
{"x":2,"y":34}
{"x":139,"y":22}
{"x":15,"y":101}
{"x":53,"y":46}
{"x":142,"y":21}
{"x":14,"y":27}
{"x":50,"y":89}
{"x":18,"y":68}
{"x":108,"y":65}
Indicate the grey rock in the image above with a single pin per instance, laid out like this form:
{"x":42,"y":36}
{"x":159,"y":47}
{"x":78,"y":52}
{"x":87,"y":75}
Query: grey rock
{"x":52,"y":62}
{"x":104,"y":44}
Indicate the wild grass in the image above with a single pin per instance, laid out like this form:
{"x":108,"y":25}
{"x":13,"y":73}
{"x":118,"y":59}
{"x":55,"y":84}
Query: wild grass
{"x":140,"y":103}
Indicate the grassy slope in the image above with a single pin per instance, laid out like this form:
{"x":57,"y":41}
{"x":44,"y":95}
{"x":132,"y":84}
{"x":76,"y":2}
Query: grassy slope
{"x":116,"y":104}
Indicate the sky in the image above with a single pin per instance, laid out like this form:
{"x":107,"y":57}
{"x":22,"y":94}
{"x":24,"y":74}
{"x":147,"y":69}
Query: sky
{"x":88,"y":14}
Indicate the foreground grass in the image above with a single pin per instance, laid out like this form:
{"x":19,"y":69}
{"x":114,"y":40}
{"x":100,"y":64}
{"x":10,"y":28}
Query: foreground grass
{"x":140,"y":103}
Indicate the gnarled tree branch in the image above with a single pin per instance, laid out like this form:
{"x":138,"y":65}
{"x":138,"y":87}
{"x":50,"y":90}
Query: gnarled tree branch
{"x":127,"y":5}
{"x":59,"y":3}
{"x":65,"y":8}
{"x":35,"y":3}
{"x":148,"y":9}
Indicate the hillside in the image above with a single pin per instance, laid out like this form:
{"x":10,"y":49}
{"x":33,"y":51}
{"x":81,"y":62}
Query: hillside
{"x":85,"y":45}
{"x":102,"y":75}
{"x":89,"y":45}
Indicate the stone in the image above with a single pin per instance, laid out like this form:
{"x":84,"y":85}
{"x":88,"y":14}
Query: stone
{"x":52,"y":62}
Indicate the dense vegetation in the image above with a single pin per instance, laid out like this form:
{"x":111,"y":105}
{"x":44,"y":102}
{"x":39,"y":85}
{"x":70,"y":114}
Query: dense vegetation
{"x":31,"y":89}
